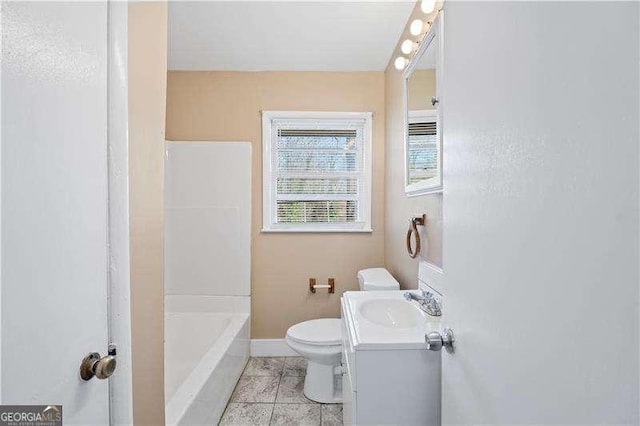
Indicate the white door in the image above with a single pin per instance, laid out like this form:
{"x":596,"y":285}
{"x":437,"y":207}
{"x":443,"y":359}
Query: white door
{"x":54,"y":205}
{"x":541,"y":212}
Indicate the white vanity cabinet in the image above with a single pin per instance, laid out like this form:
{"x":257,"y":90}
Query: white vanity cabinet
{"x":389,"y":376}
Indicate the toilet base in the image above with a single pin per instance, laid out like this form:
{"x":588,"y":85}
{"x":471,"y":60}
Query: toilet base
{"x":322,"y":384}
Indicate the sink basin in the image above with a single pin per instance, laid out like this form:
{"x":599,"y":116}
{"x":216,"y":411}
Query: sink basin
{"x":392,"y":313}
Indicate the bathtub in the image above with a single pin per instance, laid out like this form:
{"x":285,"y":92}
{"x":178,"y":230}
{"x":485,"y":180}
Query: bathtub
{"x":206,"y":349}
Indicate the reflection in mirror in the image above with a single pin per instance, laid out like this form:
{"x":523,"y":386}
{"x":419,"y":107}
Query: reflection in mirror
{"x":422,"y":136}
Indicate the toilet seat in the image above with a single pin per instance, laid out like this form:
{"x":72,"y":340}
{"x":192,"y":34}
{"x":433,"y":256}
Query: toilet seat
{"x":318,"y":332}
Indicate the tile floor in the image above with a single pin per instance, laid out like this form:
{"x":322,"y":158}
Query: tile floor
{"x":269,"y":392}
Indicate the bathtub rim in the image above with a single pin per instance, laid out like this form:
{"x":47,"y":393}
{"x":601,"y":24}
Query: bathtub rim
{"x":188,"y":391}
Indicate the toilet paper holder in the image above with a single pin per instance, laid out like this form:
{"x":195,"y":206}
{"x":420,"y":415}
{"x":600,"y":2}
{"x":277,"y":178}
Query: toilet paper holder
{"x":331,"y":285}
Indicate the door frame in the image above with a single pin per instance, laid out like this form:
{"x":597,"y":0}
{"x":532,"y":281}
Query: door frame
{"x":119,"y":303}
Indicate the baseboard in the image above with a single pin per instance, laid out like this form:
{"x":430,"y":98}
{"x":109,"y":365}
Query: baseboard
{"x":271,"y":347}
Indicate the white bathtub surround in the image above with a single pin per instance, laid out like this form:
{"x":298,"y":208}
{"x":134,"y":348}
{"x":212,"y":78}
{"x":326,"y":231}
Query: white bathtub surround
{"x":207,"y":277}
{"x":219,"y":304}
{"x":206,"y":349}
{"x":208,"y":218}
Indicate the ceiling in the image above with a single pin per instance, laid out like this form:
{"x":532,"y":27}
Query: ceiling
{"x":285,"y":35}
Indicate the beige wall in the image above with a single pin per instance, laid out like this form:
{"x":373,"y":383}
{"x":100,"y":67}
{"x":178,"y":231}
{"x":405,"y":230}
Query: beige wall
{"x":398,"y":207}
{"x":225,"y":106}
{"x":420,"y":89}
{"x":147,"y":99}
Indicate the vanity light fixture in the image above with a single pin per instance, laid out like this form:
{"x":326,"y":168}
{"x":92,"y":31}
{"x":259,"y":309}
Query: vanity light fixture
{"x":408,"y":46}
{"x":427,"y":6}
{"x":416,"y":27}
{"x":400,"y":62}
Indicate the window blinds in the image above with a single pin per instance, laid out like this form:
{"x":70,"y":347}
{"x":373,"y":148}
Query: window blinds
{"x":318,"y":174}
{"x":422,"y":151}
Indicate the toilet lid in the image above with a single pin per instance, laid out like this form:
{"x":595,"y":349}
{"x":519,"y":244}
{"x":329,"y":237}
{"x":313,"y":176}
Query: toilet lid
{"x":325,"y":331}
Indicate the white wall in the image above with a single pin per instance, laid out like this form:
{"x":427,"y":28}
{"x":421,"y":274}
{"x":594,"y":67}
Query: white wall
{"x":541,"y":212}
{"x":208,"y":219}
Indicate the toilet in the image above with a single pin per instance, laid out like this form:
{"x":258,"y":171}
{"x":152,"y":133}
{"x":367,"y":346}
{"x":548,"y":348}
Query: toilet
{"x":320,"y":342}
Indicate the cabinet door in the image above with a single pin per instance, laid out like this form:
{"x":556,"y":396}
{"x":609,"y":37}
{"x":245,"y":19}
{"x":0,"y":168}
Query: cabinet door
{"x":348,"y":400}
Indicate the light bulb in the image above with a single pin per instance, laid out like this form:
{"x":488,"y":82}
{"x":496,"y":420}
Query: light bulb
{"x":407,"y":46}
{"x":400,"y":62}
{"x":416,"y":27}
{"x":427,"y":6}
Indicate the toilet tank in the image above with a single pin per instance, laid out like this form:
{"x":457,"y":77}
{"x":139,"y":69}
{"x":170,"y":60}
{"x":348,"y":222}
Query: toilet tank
{"x":377,"y":279}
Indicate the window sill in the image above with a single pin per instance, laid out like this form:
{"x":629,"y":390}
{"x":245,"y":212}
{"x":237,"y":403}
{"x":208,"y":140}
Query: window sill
{"x":316,"y":231}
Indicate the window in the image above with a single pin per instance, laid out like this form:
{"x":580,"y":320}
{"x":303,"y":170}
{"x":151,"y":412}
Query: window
{"x":422,"y":146}
{"x":316,"y":171}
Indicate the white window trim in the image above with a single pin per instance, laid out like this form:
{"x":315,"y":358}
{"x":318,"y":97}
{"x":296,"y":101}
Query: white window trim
{"x":418,"y":115}
{"x":269,"y":175}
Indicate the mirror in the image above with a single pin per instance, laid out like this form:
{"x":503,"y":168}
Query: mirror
{"x":423,"y":121}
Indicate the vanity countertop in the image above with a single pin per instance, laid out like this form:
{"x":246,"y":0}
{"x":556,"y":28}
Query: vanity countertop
{"x":385,"y":320}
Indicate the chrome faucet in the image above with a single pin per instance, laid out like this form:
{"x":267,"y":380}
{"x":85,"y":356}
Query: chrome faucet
{"x":426,"y":301}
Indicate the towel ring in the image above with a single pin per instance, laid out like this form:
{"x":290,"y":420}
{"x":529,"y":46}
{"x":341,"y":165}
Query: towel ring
{"x":413,"y":229}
